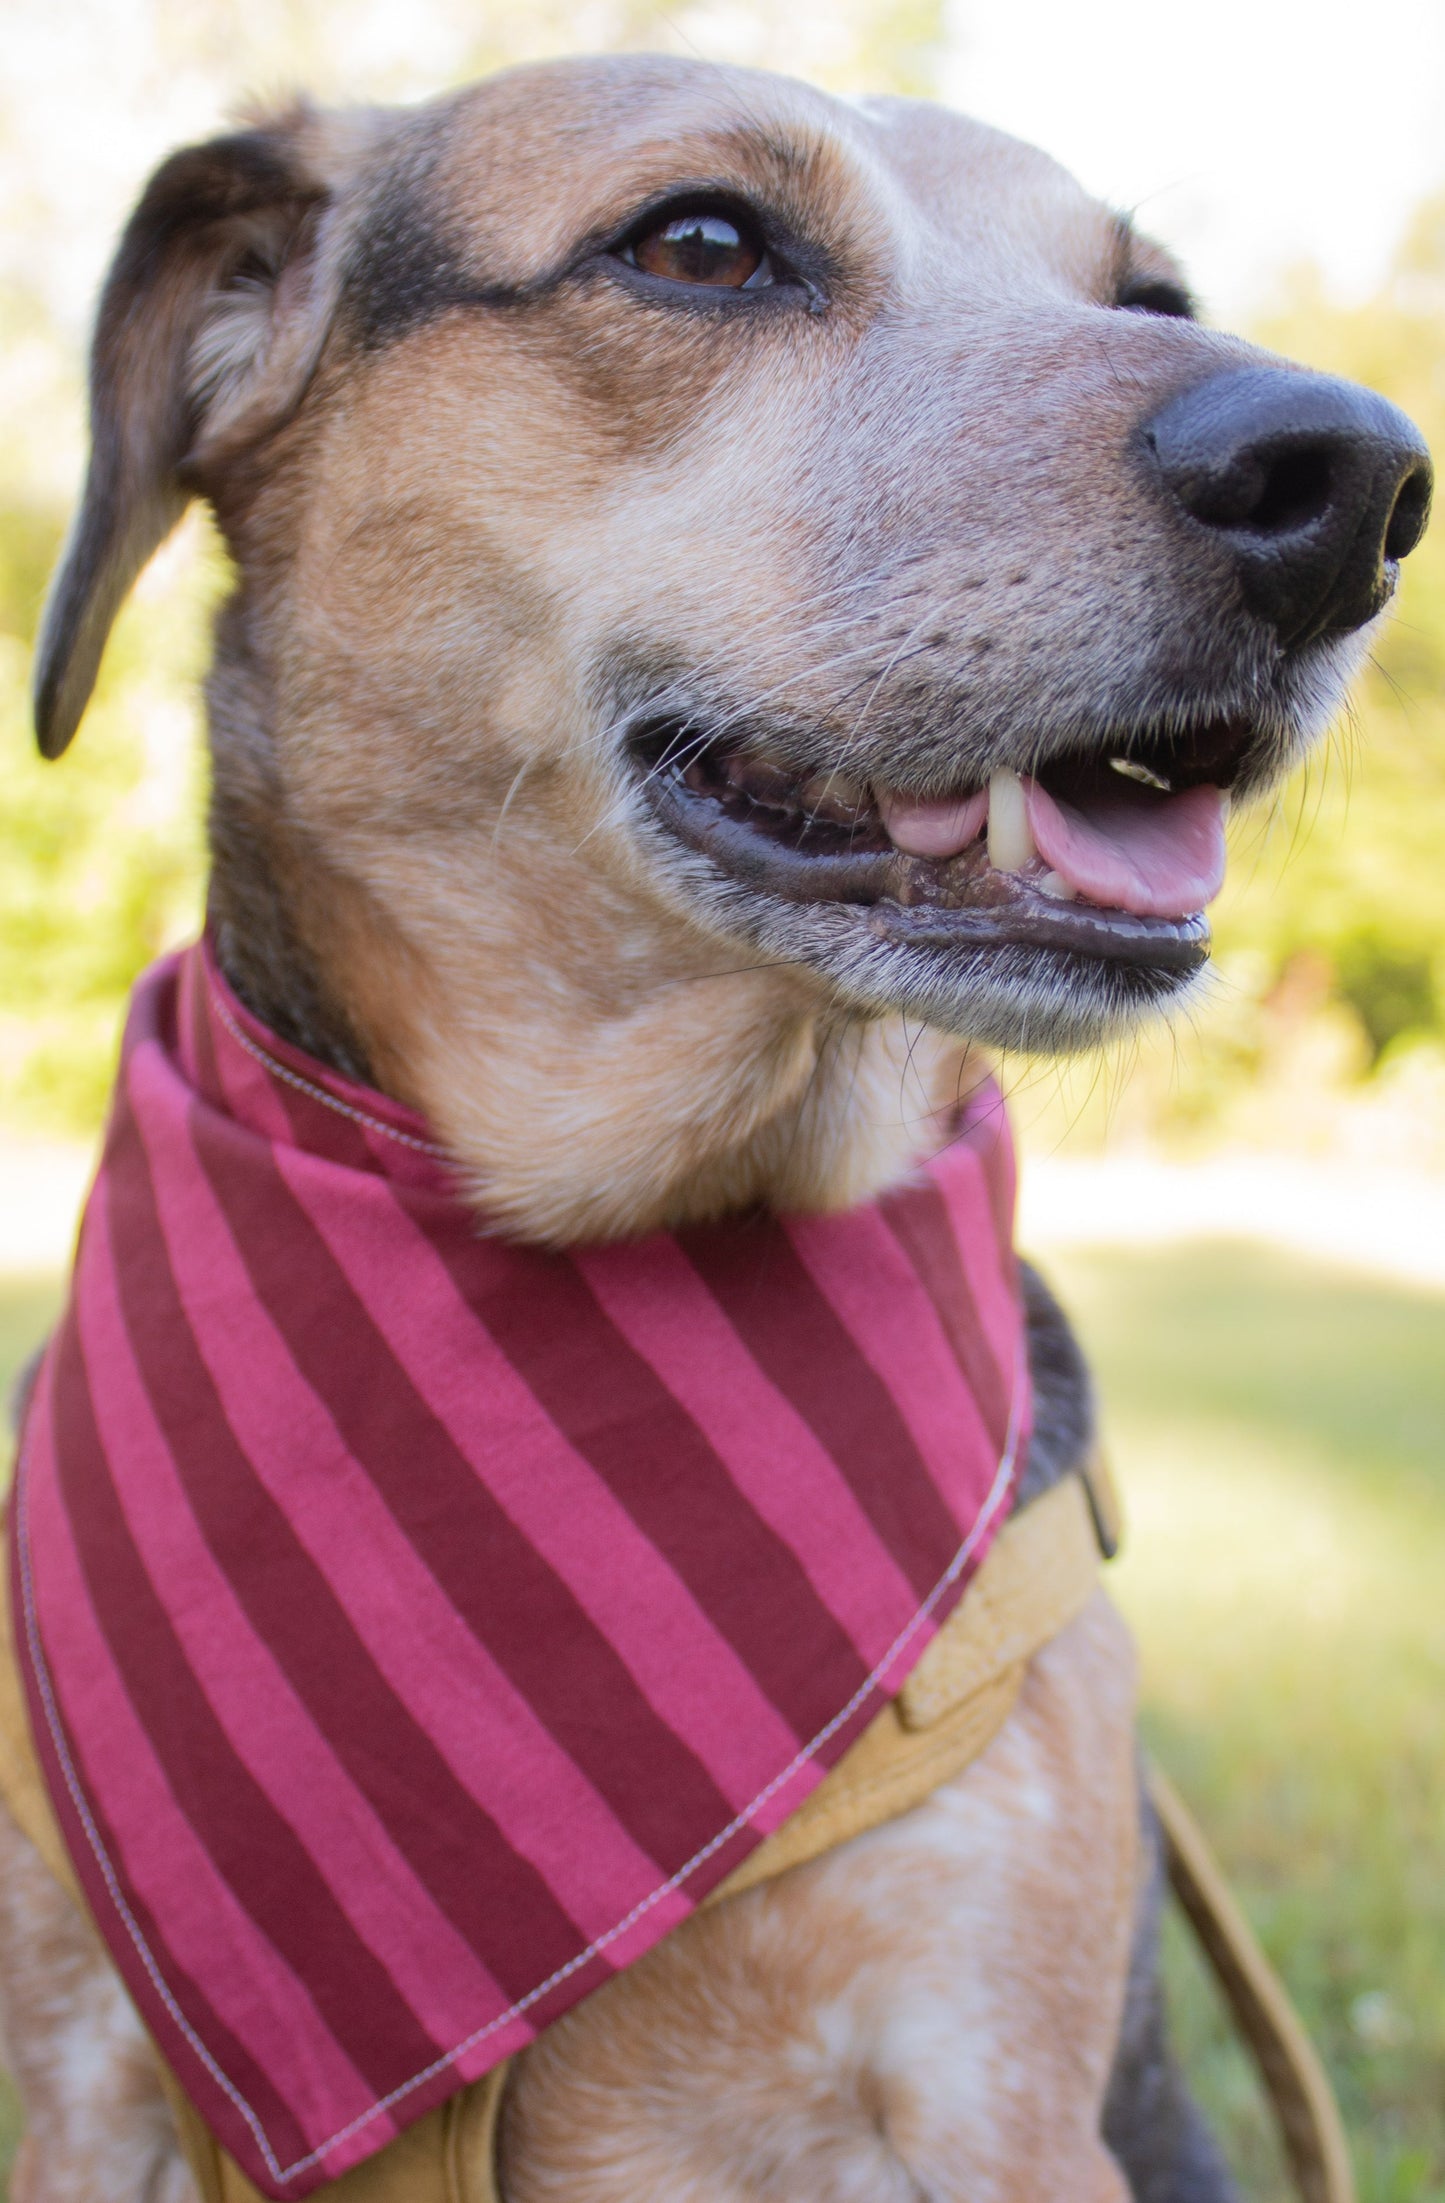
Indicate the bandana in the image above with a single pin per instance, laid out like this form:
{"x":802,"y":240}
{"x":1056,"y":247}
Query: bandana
{"x":417,"y":1626}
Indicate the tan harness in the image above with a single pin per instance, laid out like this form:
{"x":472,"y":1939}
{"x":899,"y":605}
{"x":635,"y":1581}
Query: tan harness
{"x":1040,"y":1573}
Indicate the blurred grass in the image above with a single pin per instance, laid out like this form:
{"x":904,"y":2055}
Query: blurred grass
{"x":1279,"y":1433}
{"x":27,"y":1309}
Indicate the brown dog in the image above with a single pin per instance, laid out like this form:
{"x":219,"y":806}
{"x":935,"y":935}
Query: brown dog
{"x":696,"y":542}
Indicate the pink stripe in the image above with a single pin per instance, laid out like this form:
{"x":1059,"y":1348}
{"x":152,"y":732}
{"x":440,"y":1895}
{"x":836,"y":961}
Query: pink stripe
{"x":689,"y":1674}
{"x":268,"y":1727}
{"x":486,"y":1731}
{"x":661,"y":1306}
{"x":192,"y":1013}
{"x":990,"y":1282}
{"x":211,"y":1936}
{"x":894,"y":1327}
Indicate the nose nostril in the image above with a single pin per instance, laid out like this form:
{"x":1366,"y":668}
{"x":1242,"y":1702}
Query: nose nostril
{"x":1297,"y":488}
{"x":1264,"y":489}
{"x":1411,"y":511}
{"x":1314,"y":490}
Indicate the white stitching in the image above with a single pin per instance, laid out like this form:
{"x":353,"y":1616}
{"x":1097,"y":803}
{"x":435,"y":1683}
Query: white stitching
{"x":1002,"y":1477}
{"x":254,"y":1049}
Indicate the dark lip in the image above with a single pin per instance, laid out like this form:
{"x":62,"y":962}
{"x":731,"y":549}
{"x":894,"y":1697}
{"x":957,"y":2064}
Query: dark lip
{"x":928,"y":904}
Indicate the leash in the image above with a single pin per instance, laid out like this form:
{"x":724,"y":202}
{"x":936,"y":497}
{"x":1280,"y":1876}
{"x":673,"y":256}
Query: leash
{"x":1301,"y":2097}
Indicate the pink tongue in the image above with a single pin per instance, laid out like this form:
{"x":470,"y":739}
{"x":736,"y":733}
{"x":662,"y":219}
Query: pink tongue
{"x":1155,"y":855}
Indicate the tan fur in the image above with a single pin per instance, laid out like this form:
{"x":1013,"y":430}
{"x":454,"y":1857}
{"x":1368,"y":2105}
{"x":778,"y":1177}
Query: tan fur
{"x":460,"y":535}
{"x":96,"y":2122}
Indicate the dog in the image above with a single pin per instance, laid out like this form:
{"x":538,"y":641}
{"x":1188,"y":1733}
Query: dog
{"x":745,"y":603}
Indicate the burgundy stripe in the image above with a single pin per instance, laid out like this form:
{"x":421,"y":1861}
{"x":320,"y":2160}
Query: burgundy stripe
{"x":613,"y":1408}
{"x":434,"y":1969}
{"x":272,"y":1874}
{"x":249,"y":2079}
{"x":919,"y":1221}
{"x":340,"y":1138}
{"x":494,"y":1898}
{"x":513,"y":1602}
{"x":798,"y":1340}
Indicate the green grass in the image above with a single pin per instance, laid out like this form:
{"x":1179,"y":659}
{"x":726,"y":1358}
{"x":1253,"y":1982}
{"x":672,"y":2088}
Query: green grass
{"x":27,"y":1309}
{"x":1279,"y":1433}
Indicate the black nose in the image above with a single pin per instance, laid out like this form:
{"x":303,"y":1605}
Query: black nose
{"x":1316,"y":487}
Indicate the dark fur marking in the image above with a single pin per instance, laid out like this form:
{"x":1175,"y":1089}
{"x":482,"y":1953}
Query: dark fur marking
{"x":1063,"y":1432}
{"x":1152,"y":2125}
{"x":261,"y":952}
{"x":404,"y":272}
{"x":408,"y":266}
{"x":260,"y":943}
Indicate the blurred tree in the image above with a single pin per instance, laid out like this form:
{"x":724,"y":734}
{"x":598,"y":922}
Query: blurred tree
{"x":1364,"y":883}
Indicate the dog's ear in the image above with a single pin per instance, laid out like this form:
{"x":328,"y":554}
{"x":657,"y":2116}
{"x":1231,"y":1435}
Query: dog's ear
{"x":210,"y":323}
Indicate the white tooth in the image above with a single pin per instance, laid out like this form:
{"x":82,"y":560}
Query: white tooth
{"x":1010,"y":844}
{"x":1146,"y":777}
{"x":1053,"y":883}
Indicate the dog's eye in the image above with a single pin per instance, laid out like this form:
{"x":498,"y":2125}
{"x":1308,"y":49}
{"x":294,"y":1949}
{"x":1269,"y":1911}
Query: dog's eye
{"x":721,"y":251}
{"x":1152,"y":296}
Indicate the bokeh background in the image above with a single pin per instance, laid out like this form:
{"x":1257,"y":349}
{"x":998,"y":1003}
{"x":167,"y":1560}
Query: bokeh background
{"x":1247,"y":1215}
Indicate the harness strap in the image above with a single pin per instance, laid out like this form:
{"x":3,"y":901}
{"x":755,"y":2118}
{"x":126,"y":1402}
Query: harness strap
{"x":449,"y":2156}
{"x":1040,"y":1573}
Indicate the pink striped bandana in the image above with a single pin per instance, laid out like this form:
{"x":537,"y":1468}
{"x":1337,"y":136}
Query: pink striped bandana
{"x":417,"y":1626}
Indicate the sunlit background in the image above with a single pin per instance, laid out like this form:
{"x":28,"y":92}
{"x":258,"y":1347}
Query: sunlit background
{"x":1248,"y":1215}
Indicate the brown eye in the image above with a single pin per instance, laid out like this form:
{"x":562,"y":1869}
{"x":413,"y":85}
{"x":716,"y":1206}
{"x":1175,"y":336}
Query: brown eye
{"x":703,"y":248}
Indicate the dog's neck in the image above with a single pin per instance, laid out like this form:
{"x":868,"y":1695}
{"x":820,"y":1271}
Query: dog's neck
{"x":592,"y":1079}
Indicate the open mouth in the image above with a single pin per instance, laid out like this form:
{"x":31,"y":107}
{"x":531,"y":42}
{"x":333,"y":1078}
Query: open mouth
{"x":1112,"y":856}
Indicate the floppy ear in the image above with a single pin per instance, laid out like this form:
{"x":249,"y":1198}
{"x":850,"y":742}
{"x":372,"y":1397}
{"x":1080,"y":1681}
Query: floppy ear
{"x":210,"y":323}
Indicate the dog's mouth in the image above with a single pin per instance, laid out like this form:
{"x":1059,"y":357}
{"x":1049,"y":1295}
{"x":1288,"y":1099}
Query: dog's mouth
{"x":1111,"y":856}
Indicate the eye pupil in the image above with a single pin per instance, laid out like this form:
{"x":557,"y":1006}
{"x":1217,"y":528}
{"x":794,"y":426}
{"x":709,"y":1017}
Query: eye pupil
{"x":699,"y":248}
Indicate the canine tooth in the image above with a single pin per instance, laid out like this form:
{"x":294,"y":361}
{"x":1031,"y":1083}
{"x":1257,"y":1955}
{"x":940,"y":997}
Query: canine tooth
{"x":1010,"y":843}
{"x":1054,"y":883}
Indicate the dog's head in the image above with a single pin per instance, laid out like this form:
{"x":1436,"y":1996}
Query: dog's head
{"x":688,"y":523}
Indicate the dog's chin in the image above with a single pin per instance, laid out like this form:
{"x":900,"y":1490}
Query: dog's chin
{"x":1007,"y":958}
